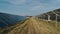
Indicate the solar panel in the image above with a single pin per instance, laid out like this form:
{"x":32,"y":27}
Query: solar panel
{"x":8,"y":19}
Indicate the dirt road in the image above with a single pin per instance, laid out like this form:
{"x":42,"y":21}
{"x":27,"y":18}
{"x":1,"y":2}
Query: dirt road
{"x":32,"y":26}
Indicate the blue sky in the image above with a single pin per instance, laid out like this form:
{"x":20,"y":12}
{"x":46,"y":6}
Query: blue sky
{"x":28,"y":7}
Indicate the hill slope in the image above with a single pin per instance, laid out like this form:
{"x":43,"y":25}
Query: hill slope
{"x":32,"y":26}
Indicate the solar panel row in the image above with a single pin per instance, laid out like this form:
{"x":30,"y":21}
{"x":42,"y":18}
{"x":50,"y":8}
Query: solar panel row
{"x":52,"y":15}
{"x":7,"y":19}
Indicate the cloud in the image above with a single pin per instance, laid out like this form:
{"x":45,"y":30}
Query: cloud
{"x":28,"y":7}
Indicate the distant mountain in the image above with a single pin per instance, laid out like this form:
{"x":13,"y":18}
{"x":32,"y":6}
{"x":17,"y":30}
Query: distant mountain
{"x":52,"y":15}
{"x":8,"y":19}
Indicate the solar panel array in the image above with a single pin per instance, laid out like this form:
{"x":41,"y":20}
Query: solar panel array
{"x":52,"y":15}
{"x":7,"y":19}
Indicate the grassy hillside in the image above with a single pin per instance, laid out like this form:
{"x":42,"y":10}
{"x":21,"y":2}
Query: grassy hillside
{"x":33,"y":25}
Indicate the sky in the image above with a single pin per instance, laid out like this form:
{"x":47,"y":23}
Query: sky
{"x":28,"y":7}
